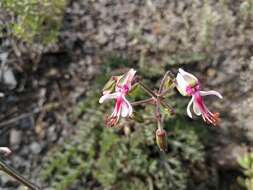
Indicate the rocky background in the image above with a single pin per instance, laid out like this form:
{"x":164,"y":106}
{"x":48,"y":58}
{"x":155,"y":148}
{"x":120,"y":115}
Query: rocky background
{"x":43,"y":84}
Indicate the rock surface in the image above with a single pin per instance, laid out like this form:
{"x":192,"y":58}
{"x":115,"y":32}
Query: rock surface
{"x":214,"y":40}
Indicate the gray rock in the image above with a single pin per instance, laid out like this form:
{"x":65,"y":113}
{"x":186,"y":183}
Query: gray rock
{"x":4,"y":178}
{"x":15,"y":137}
{"x":7,"y":75}
{"x":228,"y":155}
{"x":101,"y":38}
{"x":35,"y":148}
{"x":120,"y":41}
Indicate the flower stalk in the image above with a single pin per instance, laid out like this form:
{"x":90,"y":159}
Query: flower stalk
{"x":11,"y":172}
{"x":147,"y":89}
{"x":158,"y":114}
{"x":137,"y":103}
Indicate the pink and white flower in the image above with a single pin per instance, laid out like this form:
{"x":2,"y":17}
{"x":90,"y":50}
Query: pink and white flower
{"x":5,"y":151}
{"x":188,"y":85}
{"x":122,"y":107}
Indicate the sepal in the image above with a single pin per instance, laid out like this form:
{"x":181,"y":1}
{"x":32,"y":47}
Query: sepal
{"x":110,"y":85}
{"x":161,"y":139}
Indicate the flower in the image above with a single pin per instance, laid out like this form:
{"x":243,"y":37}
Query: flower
{"x":188,"y":85}
{"x":122,"y":106}
{"x":161,"y":139}
{"x":5,"y":151}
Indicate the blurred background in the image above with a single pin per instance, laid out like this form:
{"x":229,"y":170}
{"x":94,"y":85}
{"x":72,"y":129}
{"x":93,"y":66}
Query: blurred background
{"x":55,"y":58}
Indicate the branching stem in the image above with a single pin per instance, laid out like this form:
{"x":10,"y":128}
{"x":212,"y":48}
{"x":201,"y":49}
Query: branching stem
{"x":136,"y":103}
{"x":147,"y":89}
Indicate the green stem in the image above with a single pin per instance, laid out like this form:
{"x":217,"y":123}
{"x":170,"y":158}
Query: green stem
{"x":11,"y":172}
{"x":167,"y":106}
{"x":147,"y":89}
{"x":136,"y":103}
{"x":158,"y":114}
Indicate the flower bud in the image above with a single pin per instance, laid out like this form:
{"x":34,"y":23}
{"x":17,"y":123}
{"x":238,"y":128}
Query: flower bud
{"x":161,"y":139}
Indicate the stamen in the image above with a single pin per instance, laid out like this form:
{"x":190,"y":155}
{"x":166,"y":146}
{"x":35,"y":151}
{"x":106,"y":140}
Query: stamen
{"x":212,"y":118}
{"x":111,"y":121}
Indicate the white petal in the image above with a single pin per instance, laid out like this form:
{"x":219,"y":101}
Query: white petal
{"x":181,"y":81}
{"x":189,"y":108}
{"x":196,"y":109}
{"x":181,"y":84}
{"x":211,"y":92}
{"x":131,"y":72}
{"x":129,"y":106}
{"x":128,"y":77}
{"x":5,"y":150}
{"x":184,"y":73}
{"x":108,"y":97}
{"x":124,"y":110}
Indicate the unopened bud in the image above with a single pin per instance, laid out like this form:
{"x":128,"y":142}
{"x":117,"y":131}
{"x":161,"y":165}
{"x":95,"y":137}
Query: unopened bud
{"x":161,"y":139}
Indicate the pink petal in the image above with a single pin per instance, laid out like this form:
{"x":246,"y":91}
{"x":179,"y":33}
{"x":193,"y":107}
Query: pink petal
{"x":211,"y":92}
{"x":118,"y":106}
